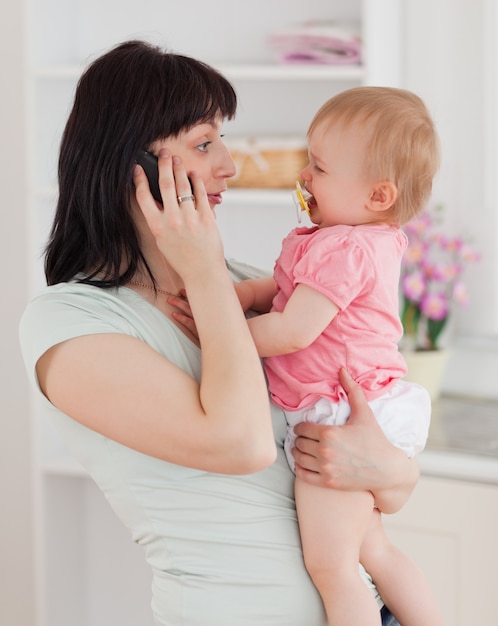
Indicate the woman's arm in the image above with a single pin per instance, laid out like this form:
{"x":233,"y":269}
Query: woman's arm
{"x":120,"y":387}
{"x":356,"y":456}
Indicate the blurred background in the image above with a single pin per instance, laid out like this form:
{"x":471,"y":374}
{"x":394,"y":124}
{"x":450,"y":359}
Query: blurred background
{"x":63,"y":559}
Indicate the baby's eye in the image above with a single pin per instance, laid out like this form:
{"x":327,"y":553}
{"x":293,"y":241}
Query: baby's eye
{"x":203,"y":146}
{"x":317,"y":168}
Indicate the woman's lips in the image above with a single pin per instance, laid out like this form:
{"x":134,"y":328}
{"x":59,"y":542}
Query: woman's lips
{"x":215,"y":198}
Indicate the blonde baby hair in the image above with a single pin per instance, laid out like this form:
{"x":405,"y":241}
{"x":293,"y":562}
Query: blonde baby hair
{"x":403,"y":145}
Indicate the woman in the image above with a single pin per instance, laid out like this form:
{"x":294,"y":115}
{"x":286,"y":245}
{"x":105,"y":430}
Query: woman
{"x":182,"y":442}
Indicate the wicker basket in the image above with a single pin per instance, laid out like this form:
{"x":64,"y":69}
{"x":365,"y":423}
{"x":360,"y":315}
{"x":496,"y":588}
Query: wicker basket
{"x":267,"y":162}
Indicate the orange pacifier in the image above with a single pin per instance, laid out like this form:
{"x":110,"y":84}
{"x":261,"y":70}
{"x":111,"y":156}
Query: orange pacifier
{"x":301,"y":198}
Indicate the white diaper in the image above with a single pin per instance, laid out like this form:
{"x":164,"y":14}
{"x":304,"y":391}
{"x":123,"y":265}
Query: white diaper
{"x":403,"y":413}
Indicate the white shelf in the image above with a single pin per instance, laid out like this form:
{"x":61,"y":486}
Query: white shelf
{"x":460,"y":466}
{"x":293,"y":72}
{"x":267,"y":71}
{"x":54,"y":72}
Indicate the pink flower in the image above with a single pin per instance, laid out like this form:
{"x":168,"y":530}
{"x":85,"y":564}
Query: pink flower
{"x":414,"y":286}
{"x":429,"y":269}
{"x":460,"y":293}
{"x":440,"y":240}
{"x":453,"y":245}
{"x":468,"y":254}
{"x":435,"y":306}
{"x":446,"y":272}
{"x":431,"y":278}
{"x":419,"y":224}
{"x":415,"y":253}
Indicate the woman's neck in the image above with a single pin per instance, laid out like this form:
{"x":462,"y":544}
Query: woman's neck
{"x":166,"y":280}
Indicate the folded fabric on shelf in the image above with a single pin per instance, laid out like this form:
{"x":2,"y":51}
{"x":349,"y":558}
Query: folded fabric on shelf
{"x":331,"y":43}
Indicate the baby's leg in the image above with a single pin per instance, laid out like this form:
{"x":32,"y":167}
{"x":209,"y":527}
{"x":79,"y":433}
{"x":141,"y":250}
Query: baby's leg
{"x":399,"y":581}
{"x":332,"y":525}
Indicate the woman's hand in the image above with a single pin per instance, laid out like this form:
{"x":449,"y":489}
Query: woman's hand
{"x":185,"y":230}
{"x":356,"y":456}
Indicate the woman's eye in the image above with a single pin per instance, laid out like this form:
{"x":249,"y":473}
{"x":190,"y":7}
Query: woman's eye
{"x":203,"y":146}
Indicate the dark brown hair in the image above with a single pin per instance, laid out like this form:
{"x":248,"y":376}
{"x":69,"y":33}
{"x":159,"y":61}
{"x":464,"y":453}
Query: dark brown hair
{"x":126,"y":99}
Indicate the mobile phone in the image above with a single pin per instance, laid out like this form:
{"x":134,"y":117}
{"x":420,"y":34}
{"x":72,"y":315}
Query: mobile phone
{"x":149,"y":162}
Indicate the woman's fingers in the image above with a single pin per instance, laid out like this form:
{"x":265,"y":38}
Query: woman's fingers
{"x":360,"y":410}
{"x":174,"y":184}
{"x":185,"y":231}
{"x":173,"y":178}
{"x":178,"y":191}
{"x":143,"y":194}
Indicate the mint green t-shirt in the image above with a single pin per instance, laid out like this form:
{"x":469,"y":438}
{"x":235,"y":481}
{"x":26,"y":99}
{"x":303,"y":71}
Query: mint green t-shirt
{"x":224,"y":550}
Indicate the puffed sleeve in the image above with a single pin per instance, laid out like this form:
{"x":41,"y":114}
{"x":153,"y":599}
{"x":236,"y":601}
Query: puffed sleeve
{"x":336,"y":265}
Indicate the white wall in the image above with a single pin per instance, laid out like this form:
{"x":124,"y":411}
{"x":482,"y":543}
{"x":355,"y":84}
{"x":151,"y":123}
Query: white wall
{"x":445,"y":57}
{"x":16,"y":544}
{"x":445,"y":64}
{"x":451,"y":62}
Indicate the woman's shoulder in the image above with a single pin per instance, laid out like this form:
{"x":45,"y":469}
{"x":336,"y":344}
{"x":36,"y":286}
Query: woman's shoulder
{"x":67,"y":305}
{"x":70,"y":292}
{"x":66,"y":302}
{"x":61,"y":312}
{"x":69,"y":310}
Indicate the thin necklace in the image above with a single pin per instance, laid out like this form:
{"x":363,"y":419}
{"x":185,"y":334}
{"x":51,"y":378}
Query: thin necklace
{"x":166,"y":293}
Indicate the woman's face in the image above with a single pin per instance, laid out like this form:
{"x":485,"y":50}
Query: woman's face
{"x":202,"y":150}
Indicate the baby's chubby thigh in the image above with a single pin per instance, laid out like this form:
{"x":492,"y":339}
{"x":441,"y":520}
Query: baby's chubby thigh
{"x":324,"y":411}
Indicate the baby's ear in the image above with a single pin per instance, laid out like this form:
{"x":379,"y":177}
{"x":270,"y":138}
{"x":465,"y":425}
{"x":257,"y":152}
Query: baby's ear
{"x":382,"y":196}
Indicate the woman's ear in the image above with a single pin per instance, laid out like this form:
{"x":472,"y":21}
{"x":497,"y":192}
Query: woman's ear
{"x":383,"y":196}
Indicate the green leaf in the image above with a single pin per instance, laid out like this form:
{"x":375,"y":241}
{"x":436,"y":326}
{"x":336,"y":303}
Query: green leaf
{"x":410,"y":318}
{"x":434,"y":328}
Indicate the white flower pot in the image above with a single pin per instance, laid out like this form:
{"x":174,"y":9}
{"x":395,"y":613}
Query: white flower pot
{"x":426,"y":367}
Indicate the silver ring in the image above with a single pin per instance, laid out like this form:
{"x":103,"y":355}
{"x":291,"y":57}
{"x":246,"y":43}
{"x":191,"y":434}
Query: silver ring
{"x":185,"y":199}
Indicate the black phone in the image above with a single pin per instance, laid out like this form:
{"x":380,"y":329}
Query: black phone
{"x":149,"y":162}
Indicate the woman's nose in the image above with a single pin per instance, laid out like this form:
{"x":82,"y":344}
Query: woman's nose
{"x":226,"y":167}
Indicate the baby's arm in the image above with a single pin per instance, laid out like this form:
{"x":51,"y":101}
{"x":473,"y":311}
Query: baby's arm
{"x":256,"y":293}
{"x":305,"y":317}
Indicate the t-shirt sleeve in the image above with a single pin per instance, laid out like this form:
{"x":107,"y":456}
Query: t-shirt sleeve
{"x":337,"y":267}
{"x":52,"y":318}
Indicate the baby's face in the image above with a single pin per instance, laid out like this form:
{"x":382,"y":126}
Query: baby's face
{"x":336,"y":175}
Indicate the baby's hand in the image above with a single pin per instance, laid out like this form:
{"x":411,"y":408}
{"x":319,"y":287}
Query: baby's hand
{"x":183,"y":313}
{"x":244,"y":294}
